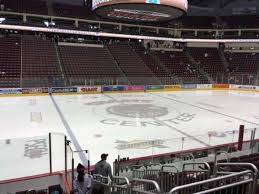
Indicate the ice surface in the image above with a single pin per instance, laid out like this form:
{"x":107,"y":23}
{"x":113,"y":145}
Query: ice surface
{"x":133,"y":124}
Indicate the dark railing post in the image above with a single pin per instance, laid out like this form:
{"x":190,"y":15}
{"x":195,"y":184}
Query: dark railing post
{"x":118,"y":167}
{"x":65,"y":156}
{"x":50,"y":154}
{"x":73,"y":173}
{"x":88,"y":162}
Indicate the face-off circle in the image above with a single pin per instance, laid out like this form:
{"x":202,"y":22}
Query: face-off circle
{"x":140,"y":10}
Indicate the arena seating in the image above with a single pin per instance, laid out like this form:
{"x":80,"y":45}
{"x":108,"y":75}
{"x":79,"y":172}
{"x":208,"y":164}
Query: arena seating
{"x":132,"y":65}
{"x":81,"y":63}
{"x":41,"y":66}
{"x":249,"y":21}
{"x":208,"y":59}
{"x":153,"y":65}
{"x":36,"y":61}
{"x":72,"y":11}
{"x":243,"y":62}
{"x":178,"y":64}
{"x":10,"y":61}
{"x":195,"y":22}
{"x":28,"y":6}
{"x":39,"y":62}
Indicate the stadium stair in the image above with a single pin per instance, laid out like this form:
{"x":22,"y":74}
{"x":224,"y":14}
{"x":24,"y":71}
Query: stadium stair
{"x":205,"y":76}
{"x":155,"y":65}
{"x":132,"y":65}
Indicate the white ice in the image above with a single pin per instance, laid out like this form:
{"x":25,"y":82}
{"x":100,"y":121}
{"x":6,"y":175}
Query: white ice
{"x":139,"y":124}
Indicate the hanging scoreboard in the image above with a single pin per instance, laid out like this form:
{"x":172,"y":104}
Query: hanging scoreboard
{"x":140,"y":10}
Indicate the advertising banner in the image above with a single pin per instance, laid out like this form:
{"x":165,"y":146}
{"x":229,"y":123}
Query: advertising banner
{"x":88,"y":89}
{"x":172,"y":87}
{"x":220,"y":86}
{"x":232,"y":86}
{"x":10,"y":91}
{"x":204,"y":86}
{"x":63,"y":90}
{"x":155,"y":87}
{"x":112,"y":88}
{"x":134,"y":88}
{"x":106,"y":88}
{"x":189,"y":86}
{"x":35,"y":90}
{"x":244,"y":87}
{"x":118,"y":88}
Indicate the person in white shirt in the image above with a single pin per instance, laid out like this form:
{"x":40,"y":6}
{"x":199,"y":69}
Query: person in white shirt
{"x":82,"y":184}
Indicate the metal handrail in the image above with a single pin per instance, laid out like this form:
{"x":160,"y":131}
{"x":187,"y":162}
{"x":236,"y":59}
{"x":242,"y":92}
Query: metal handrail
{"x":169,"y":166}
{"x":146,"y":181}
{"x":188,"y":154}
{"x":196,"y":163}
{"x":248,"y":165}
{"x":210,"y":180}
{"x":224,"y":187}
{"x":101,"y":179}
{"x":124,"y":186}
{"x":221,"y":152}
{"x":153,"y":164}
{"x":240,"y":164}
{"x":174,"y":167}
{"x":215,"y":159}
{"x":136,"y":166}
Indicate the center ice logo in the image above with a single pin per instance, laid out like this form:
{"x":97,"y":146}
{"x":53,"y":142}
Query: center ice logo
{"x":137,"y":110}
{"x":138,"y":113}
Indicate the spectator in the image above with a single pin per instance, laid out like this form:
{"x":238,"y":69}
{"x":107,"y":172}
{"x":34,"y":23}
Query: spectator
{"x":2,"y":7}
{"x":83,"y":183}
{"x":103,"y":168}
{"x":80,"y":168}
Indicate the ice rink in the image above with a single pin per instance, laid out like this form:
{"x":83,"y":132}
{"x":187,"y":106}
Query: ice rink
{"x":130,"y":125}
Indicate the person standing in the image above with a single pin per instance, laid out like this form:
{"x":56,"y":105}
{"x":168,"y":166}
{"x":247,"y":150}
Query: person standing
{"x":83,"y":183}
{"x":103,"y":168}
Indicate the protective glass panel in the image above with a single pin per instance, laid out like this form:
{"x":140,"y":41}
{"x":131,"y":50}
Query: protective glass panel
{"x":24,"y":157}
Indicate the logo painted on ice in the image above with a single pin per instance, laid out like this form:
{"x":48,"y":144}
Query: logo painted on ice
{"x":140,"y":144}
{"x":137,"y":110}
{"x":36,"y":148}
{"x":133,"y":113}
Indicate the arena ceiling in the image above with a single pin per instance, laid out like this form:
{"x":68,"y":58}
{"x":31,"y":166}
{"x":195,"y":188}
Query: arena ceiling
{"x":206,"y":7}
{"x":223,"y":7}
